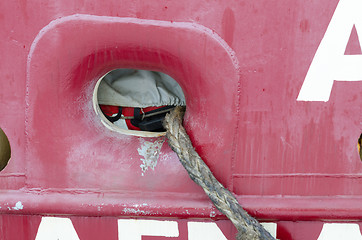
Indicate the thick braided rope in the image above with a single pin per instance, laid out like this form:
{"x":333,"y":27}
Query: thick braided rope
{"x":248,"y":227}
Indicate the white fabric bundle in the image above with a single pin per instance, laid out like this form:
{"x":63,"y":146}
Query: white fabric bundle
{"x":139,"y":88}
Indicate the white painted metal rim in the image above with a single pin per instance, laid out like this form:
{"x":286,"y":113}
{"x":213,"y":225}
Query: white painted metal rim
{"x":112,"y":126}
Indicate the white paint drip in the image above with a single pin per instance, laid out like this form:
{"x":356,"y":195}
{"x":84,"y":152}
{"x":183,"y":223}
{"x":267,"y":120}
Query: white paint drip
{"x":150,"y":151}
{"x":18,"y":206}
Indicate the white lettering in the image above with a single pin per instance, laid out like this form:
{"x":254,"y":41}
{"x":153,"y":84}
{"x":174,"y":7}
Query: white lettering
{"x":271,"y":228}
{"x":329,"y":62}
{"x":338,"y":231}
{"x":210,"y":231}
{"x":54,"y":228}
{"x":204,"y":231}
{"x":134,"y":229}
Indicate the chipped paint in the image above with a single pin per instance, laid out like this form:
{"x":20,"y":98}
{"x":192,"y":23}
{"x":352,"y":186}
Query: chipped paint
{"x":150,"y":151}
{"x":18,"y":206}
{"x":135,"y":211}
{"x":139,"y":205}
{"x":212,"y":214}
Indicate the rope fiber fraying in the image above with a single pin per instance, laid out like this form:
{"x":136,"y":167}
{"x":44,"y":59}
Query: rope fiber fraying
{"x":248,"y":227}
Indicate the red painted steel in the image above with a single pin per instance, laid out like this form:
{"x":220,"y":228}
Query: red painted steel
{"x":241,"y":65}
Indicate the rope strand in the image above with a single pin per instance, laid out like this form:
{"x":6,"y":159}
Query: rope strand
{"x":248,"y":227}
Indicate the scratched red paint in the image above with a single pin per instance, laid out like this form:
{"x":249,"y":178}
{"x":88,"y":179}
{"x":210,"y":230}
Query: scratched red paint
{"x":241,"y":65}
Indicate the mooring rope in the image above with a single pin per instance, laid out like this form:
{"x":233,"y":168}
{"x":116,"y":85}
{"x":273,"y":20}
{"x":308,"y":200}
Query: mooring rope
{"x":248,"y":227}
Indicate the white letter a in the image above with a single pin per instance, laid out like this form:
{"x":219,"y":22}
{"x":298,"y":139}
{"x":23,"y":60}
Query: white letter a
{"x":329,"y":62}
{"x":54,"y":228}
